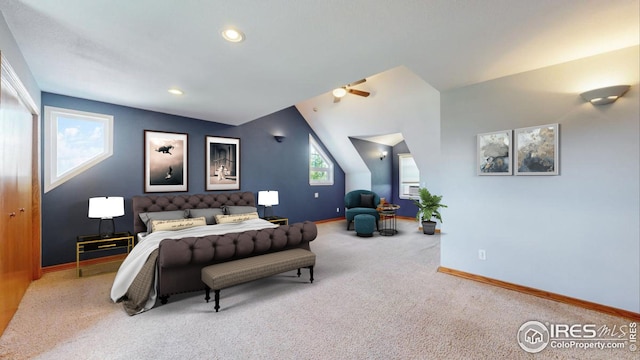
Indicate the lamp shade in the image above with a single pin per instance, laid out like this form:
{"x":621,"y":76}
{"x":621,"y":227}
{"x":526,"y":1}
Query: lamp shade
{"x":268,"y":198}
{"x":106,"y":207}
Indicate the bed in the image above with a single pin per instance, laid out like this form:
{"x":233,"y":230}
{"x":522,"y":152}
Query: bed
{"x":178,"y":235}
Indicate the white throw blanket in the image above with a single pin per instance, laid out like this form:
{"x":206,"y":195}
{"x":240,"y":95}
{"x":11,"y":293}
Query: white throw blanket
{"x":138,"y":256}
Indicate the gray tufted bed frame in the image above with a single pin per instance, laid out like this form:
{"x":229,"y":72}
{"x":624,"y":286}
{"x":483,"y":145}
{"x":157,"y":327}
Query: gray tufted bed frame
{"x":179,"y":261}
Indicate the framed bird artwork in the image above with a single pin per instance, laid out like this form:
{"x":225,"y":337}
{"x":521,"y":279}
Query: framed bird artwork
{"x":165,"y":161}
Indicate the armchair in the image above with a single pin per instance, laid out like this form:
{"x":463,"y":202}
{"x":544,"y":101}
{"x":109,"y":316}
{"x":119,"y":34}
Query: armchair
{"x":361,"y":202}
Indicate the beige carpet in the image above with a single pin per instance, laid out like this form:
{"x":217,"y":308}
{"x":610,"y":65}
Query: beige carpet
{"x":372,"y":298}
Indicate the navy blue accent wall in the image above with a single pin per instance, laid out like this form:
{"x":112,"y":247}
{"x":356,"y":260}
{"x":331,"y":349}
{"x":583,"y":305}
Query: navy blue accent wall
{"x":265,"y":165}
{"x":284,"y":166}
{"x":407,"y":207}
{"x":380,"y":168}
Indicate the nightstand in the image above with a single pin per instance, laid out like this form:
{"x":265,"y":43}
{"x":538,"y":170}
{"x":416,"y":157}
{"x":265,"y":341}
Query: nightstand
{"x":277,"y":220}
{"x":95,"y":243}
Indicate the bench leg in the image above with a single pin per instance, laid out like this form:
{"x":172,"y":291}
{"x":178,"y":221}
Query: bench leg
{"x":298,"y":272}
{"x":207,"y":291}
{"x":311,"y":273}
{"x":217,"y":299}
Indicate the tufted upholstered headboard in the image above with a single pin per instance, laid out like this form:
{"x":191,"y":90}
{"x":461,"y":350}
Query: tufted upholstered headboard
{"x":150,"y":203}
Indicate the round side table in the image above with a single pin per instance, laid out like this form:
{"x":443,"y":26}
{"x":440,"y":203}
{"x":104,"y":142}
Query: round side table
{"x":388,"y":219}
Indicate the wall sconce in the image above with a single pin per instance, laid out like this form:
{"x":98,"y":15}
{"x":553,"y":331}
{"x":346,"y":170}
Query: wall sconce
{"x":268,"y":199}
{"x":605,"y":95}
{"x":383,"y":155}
{"x":279,"y":138}
{"x":106,"y":208}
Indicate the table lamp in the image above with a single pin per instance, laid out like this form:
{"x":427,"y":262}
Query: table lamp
{"x":267,"y":199}
{"x":106,"y":208}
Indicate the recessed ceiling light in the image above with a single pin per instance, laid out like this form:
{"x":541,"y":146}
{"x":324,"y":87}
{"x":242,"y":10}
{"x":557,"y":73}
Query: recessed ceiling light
{"x":232,"y":35}
{"x":175,"y":91}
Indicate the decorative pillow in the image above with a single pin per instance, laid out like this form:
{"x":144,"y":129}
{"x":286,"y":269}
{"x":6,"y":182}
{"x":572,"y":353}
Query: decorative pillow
{"x":227,"y":219}
{"x":233,"y":210}
{"x":162,"y":215}
{"x":366,"y":200}
{"x":209,"y":214}
{"x":176,"y":224}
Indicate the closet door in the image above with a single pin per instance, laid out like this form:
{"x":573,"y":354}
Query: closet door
{"x":16,"y":199}
{"x":23,"y":245}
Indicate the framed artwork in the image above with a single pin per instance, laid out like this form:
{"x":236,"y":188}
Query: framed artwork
{"x":222,"y":163}
{"x":537,"y":150}
{"x":495,"y":152}
{"x":165,"y":161}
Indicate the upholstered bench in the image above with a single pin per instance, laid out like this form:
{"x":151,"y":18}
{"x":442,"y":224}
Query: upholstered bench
{"x":364,"y":224}
{"x":226,"y":274}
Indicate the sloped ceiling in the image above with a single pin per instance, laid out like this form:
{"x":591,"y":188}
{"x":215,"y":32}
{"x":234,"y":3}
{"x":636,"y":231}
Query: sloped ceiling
{"x":410,"y":112}
{"x":129,"y":52}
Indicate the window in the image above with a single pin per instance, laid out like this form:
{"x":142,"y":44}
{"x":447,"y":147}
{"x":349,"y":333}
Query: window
{"x":409,"y":177}
{"x":320,"y":167}
{"x":74,"y":142}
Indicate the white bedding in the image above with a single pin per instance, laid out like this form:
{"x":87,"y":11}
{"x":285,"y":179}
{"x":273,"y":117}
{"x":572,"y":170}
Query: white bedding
{"x":138,"y":256}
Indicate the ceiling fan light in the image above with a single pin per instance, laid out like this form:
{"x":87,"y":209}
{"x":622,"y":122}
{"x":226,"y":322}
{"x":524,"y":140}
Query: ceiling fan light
{"x":339,"y":92}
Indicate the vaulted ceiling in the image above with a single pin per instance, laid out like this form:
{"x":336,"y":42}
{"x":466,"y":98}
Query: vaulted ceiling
{"x":130,"y":52}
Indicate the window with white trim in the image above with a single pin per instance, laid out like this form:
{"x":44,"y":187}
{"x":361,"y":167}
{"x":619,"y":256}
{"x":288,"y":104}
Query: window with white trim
{"x":320,"y":167}
{"x":409,"y":178}
{"x":74,"y":141}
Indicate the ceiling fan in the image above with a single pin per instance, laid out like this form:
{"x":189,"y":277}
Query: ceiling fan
{"x":342,"y":91}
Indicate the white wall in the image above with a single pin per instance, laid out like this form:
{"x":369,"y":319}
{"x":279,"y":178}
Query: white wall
{"x":421,"y":132}
{"x":11,"y":52}
{"x":357,"y":180}
{"x":575,"y":234}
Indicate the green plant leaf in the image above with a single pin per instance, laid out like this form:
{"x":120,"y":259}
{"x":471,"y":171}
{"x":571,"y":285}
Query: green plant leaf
{"x":428,"y":206}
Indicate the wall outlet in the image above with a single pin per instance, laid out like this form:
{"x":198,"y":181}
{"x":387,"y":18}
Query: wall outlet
{"x":337,"y":210}
{"x":315,"y":195}
{"x":482,"y":254}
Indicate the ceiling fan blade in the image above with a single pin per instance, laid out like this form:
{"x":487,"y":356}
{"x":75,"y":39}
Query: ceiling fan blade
{"x":357,"y":82}
{"x":359,"y":92}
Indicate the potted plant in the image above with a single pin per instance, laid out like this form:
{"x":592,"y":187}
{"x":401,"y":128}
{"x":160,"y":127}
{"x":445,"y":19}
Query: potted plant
{"x":427,"y":208}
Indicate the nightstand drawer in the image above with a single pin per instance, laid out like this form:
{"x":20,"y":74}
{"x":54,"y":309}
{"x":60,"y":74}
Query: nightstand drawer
{"x":95,"y":244}
{"x":103,"y":245}
{"x":277,"y":220}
